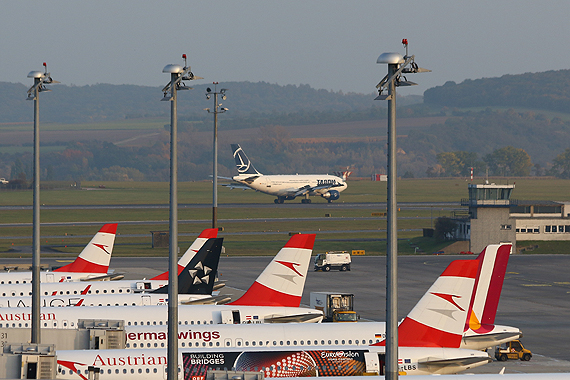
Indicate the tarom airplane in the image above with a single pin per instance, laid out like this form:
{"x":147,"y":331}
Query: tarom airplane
{"x":273,"y":298}
{"x":73,"y":289}
{"x":436,"y":325}
{"x":363,"y":334}
{"x":195,"y":286}
{"x":92,"y":262}
{"x":285,"y":187}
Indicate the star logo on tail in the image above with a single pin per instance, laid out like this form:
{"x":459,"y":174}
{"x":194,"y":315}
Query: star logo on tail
{"x":200,"y":274}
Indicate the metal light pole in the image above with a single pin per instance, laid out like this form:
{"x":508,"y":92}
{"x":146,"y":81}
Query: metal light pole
{"x":217,"y":109}
{"x":177,"y":75}
{"x":40,"y":80}
{"x":396,"y":66}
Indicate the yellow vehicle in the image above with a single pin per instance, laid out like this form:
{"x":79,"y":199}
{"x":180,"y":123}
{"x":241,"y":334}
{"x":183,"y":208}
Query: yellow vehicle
{"x":344,"y":316}
{"x":513,"y":350}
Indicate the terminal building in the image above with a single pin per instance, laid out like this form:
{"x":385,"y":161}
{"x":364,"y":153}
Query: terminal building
{"x":495,"y":217}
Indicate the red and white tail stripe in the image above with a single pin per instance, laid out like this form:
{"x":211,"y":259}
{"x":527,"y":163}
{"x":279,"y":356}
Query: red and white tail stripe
{"x":208,"y":233}
{"x":283,"y":280}
{"x":438,"y":318}
{"x":488,"y":285}
{"x":96,"y":255}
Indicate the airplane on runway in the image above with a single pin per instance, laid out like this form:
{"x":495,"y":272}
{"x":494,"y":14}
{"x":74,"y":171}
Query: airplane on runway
{"x":195,"y":286}
{"x":444,"y":308}
{"x":92,"y":263}
{"x":285,"y":187}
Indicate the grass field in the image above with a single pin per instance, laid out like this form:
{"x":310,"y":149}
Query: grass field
{"x":264,"y":236}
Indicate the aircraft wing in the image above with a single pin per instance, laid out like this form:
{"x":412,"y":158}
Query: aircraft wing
{"x":460,"y":361}
{"x":306,"y":189}
{"x":237,"y":185}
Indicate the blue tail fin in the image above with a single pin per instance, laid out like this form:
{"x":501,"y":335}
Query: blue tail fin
{"x":243,"y":164}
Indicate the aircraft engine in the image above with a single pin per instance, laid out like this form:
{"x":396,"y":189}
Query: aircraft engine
{"x":331,"y":195}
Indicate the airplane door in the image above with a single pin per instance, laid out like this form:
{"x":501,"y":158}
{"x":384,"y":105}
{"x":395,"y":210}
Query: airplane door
{"x":227,"y":317}
{"x":145,"y":300}
{"x":49,"y":277}
{"x":372,"y":362}
{"x":236,"y":316}
{"x":267,"y":182}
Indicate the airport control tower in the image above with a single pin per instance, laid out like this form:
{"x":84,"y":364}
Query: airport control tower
{"x":489,"y":214}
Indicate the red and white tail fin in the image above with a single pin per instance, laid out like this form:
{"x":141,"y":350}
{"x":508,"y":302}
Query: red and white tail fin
{"x":438,"y":318}
{"x":488,"y":285}
{"x":96,"y":255}
{"x":283,"y":280}
{"x":208,"y":233}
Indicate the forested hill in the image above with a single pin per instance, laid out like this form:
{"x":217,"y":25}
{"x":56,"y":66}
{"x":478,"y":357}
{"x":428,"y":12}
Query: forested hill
{"x":106,"y":102}
{"x":548,"y":90}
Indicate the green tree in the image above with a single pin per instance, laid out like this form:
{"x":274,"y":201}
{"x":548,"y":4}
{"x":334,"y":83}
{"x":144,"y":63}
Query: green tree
{"x":444,"y":228}
{"x":509,"y":161}
{"x":561,"y":165}
{"x":459,"y":163}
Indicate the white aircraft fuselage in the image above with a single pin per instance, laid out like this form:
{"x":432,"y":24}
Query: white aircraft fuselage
{"x":286,"y":185}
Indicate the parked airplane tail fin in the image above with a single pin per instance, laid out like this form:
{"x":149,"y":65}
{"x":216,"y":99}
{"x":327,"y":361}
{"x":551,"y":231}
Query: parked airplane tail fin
{"x":283,"y":280}
{"x":199,"y":275}
{"x":243,"y":164}
{"x":438,"y":318}
{"x":488,"y":285}
{"x":208,"y":233}
{"x":96,"y":255}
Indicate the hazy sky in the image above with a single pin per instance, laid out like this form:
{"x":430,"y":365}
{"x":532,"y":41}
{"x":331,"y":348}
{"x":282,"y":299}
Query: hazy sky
{"x":330,"y":44}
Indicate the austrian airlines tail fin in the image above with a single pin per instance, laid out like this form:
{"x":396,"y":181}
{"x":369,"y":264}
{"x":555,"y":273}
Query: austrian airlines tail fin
{"x":96,"y":255}
{"x":283,"y":280}
{"x":488,"y":285}
{"x":243,"y":164}
{"x":199,"y":275}
{"x":208,"y":233}
{"x":438,"y":318}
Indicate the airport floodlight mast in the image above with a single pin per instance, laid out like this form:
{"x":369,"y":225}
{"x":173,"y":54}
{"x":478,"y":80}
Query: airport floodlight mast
{"x":178,"y":74}
{"x":217,"y":109}
{"x":397,"y":65}
{"x":40,"y":80}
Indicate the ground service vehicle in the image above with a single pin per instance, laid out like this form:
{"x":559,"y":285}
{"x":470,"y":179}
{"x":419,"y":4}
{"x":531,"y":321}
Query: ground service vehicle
{"x":513,"y":350}
{"x":336,"y":307}
{"x":333,"y":260}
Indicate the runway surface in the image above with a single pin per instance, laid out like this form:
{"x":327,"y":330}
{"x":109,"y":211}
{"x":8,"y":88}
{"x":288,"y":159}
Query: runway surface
{"x":535,"y":297}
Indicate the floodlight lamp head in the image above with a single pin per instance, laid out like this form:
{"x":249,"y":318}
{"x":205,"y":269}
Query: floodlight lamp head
{"x":208,"y":89}
{"x":36,"y":74}
{"x":207,"y":96}
{"x":224,"y":97}
{"x":390,"y":58}
{"x":173,"y":69}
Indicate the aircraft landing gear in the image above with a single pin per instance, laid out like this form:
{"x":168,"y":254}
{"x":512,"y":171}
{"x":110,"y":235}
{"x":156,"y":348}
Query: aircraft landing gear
{"x":306,"y":199}
{"x":279,"y":200}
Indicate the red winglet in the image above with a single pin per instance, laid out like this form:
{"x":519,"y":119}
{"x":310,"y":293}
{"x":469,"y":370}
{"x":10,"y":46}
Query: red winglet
{"x":304,"y":241}
{"x":110,"y":228}
{"x":209,"y":233}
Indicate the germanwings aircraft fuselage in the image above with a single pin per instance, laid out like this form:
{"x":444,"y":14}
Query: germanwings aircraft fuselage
{"x":291,"y":334}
